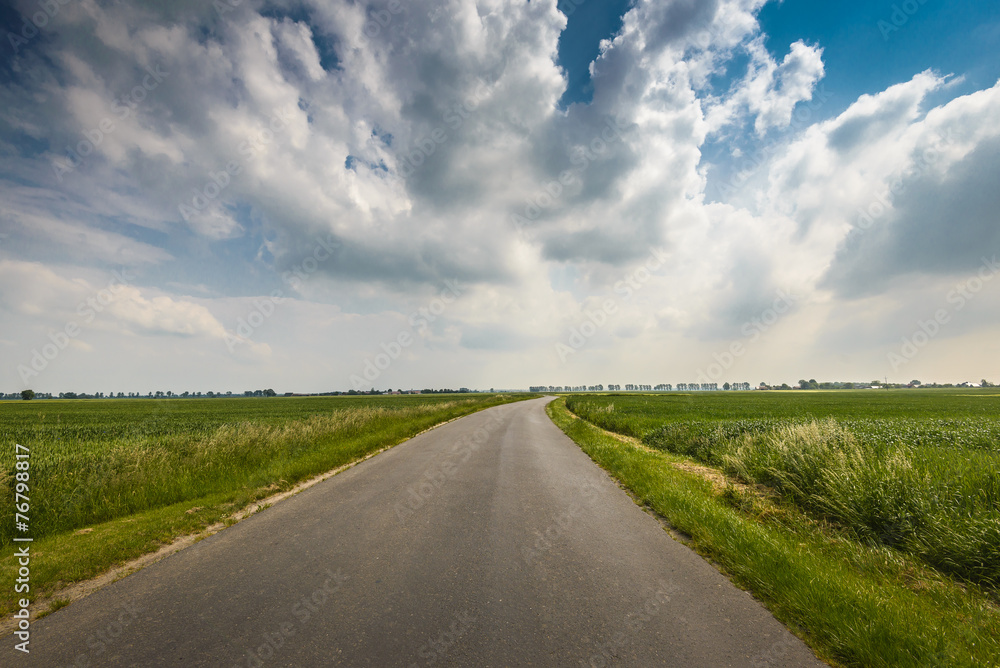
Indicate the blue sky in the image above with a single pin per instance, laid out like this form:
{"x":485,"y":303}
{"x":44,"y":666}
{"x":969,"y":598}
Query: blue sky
{"x":866,"y":52}
{"x":864,"y":49}
{"x":290,"y":187}
{"x":587,"y":24}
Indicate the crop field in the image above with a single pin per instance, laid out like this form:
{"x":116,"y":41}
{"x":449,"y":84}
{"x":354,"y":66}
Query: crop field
{"x":113,"y":479}
{"x":917,"y":471}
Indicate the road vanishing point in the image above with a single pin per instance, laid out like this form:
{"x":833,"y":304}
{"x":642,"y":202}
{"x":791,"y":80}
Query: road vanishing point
{"x":492,"y":540}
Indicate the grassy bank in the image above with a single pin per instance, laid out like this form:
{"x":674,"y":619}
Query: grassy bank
{"x":856,"y":604}
{"x":113,"y":480}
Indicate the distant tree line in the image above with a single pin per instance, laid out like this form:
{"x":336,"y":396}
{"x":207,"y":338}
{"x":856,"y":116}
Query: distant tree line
{"x":631,"y":387}
{"x":373,"y":391}
{"x":159,"y":394}
{"x":27,"y":395}
{"x":812,"y":384}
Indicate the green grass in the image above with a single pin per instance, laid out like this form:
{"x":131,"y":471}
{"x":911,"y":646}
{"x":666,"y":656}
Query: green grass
{"x":856,"y":604}
{"x":131,"y":470}
{"x":917,"y":471}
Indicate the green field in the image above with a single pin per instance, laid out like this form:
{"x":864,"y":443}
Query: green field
{"x":964,"y":418}
{"x":915,"y":470}
{"x":868,"y":521}
{"x":111,"y":480}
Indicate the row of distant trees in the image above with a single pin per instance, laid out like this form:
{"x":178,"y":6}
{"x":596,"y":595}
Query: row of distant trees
{"x":813,"y":385}
{"x":662,"y":387}
{"x":351,"y":393}
{"x":29,"y":394}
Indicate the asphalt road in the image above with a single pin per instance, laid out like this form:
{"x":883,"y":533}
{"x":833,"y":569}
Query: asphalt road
{"x":490,"y":541}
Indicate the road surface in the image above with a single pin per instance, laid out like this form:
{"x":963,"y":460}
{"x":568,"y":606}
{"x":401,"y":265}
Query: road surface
{"x":490,"y":541}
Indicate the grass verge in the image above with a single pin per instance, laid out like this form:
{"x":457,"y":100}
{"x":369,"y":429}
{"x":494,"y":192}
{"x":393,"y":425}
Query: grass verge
{"x":855,"y":605}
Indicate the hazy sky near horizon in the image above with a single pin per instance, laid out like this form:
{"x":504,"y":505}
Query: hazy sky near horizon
{"x":314,"y":196}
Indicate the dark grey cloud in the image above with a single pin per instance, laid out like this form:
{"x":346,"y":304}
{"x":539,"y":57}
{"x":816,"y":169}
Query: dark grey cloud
{"x":610,"y":246}
{"x":938,"y":225}
{"x":676,"y":20}
{"x":496,"y":337}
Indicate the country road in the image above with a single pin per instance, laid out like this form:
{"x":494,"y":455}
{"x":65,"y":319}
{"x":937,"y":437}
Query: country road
{"x":490,"y":541}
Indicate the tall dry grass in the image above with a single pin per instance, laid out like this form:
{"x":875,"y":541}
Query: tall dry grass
{"x":940,"y":504}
